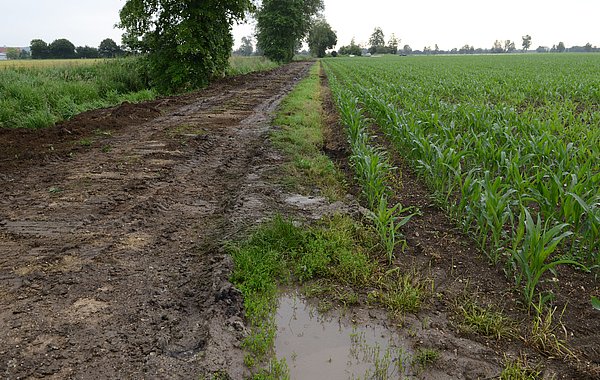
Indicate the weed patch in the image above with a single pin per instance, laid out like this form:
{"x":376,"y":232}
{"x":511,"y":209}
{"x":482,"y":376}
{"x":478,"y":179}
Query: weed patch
{"x":280,"y":252}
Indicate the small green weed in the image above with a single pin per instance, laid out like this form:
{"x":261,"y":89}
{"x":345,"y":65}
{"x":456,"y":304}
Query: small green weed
{"x":483,"y":320}
{"x":401,"y":292}
{"x":425,"y":357}
{"x":86,"y":142}
{"x":519,"y":369}
{"x":545,"y":331}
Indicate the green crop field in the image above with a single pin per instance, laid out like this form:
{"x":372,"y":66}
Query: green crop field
{"x":510,"y":145}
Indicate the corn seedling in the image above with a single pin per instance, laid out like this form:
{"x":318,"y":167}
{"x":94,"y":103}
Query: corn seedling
{"x":534,"y":243}
{"x":388,"y":225}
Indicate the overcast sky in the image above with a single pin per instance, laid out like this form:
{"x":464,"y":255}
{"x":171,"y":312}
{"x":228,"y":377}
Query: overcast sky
{"x":417,"y":23}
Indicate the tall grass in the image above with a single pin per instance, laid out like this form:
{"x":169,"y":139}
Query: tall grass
{"x":244,"y":65}
{"x":36,"y":97}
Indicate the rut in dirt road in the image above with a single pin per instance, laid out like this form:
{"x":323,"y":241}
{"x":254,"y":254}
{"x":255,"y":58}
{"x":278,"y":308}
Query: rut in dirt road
{"x":109,"y":260}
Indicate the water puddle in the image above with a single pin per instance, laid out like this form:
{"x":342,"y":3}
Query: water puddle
{"x":331,"y":347}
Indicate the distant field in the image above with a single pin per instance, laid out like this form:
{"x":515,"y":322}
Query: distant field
{"x":41,"y":63}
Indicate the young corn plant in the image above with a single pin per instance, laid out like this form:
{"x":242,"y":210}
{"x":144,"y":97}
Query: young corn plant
{"x":372,"y":168}
{"x":388,"y":224}
{"x":533,"y":245}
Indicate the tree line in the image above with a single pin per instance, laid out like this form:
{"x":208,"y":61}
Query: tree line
{"x":378,"y":45}
{"x":64,"y":49}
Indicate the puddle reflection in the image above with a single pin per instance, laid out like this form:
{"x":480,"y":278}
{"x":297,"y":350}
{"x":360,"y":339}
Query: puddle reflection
{"x":327,"y":347}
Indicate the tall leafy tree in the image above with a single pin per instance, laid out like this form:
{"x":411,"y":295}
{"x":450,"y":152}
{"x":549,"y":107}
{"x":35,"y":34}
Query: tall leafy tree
{"x":393,"y":44}
{"x":526,"y":42}
{"x":377,"y":40}
{"x":187,"y":42}
{"x":561,"y":47}
{"x":246,"y":48}
{"x":109,"y":49}
{"x":281,"y":25}
{"x":39,"y":49}
{"x":320,"y":38}
{"x":509,"y":46}
{"x":12,"y":53}
{"x":62,"y":49}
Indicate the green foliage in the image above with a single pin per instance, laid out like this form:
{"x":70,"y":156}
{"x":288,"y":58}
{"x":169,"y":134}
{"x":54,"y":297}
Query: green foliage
{"x":244,"y":65}
{"x":87,"y":52}
{"x":595,"y":303}
{"x":12,"y":53}
{"x":483,"y":320}
{"x":301,"y":138}
{"x":188,"y":42}
{"x":352,"y":49}
{"x":282,"y":25}
{"x":387,"y":222}
{"x":526,"y":42}
{"x":320,"y":38}
{"x":519,"y":369}
{"x":39,"y":49}
{"x":61,"y":49}
{"x":377,"y":40}
{"x":426,"y":356}
{"x":109,"y":49}
{"x":246,"y":49}
{"x":532,"y":247}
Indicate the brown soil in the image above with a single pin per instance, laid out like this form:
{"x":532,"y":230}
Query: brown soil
{"x":110,"y":228}
{"x":438,"y":251}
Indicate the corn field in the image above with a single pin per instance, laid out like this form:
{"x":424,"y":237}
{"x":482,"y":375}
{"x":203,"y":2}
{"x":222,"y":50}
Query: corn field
{"x":508,"y":145}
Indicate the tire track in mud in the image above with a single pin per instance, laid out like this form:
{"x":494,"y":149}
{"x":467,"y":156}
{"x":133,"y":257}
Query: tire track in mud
{"x":109,"y":262}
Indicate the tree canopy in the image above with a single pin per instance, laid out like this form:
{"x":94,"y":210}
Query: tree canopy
{"x":187,"y":41}
{"x":109,"y":49}
{"x":526,"y":42}
{"x":39,"y":49}
{"x":377,"y":40}
{"x":283,"y":24}
{"x":62,"y":49}
{"x":246,"y":48}
{"x":320,"y":38}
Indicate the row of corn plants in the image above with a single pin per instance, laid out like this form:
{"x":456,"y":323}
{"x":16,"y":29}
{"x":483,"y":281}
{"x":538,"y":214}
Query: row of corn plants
{"x":372,"y":168}
{"x":511,"y":153}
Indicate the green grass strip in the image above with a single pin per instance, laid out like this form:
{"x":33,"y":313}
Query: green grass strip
{"x":300,"y":137}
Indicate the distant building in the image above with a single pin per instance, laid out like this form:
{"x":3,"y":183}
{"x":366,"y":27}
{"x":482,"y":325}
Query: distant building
{"x":3,"y":57}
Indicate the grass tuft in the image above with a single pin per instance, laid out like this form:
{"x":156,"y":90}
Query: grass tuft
{"x":483,"y":320}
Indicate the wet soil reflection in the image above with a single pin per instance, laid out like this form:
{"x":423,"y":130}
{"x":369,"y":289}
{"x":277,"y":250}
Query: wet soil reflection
{"x":331,"y":347}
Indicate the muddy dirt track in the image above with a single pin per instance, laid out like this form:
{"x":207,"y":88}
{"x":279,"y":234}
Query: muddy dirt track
{"x":110,"y":266}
